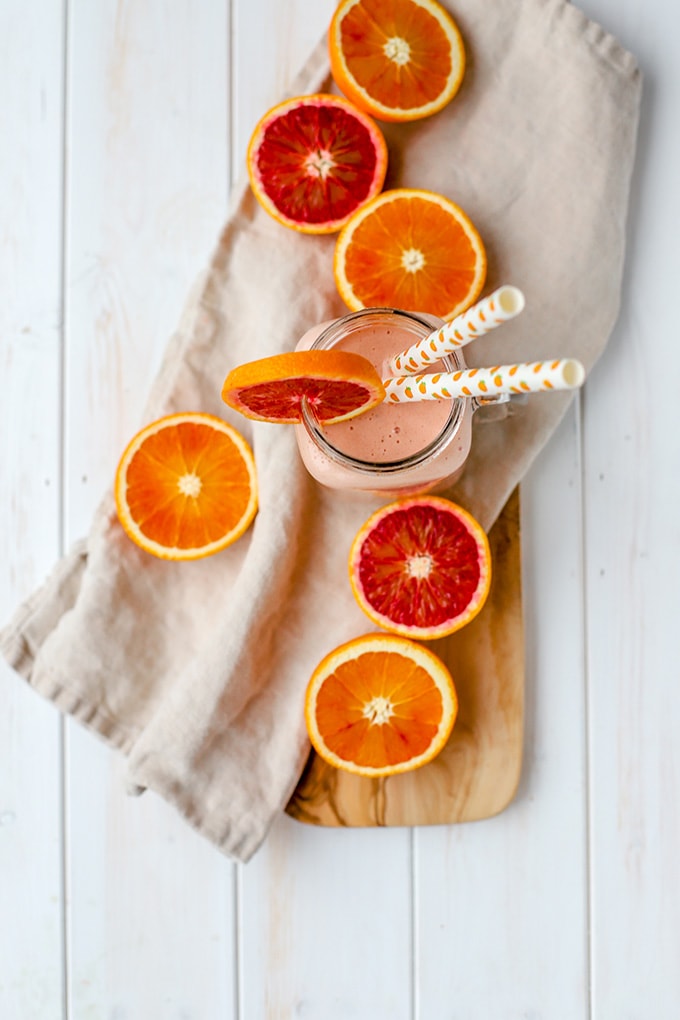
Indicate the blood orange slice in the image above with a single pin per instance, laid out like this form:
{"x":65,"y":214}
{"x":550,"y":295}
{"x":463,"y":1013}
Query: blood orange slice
{"x":336,"y":385}
{"x":186,"y":486}
{"x":380,"y":705}
{"x":398,"y":61}
{"x":421,"y":567}
{"x":314,"y":160}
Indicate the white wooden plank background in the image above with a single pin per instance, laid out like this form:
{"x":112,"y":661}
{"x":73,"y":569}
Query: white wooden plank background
{"x":31,"y":109}
{"x":123,"y":126}
{"x":143,"y":201}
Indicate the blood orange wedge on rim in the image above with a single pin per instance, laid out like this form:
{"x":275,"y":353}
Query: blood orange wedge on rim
{"x":413,"y":250}
{"x":380,"y":705}
{"x":314,"y":160}
{"x":336,"y":385}
{"x":421,"y":567}
{"x":186,"y":486}
{"x":398,"y":61}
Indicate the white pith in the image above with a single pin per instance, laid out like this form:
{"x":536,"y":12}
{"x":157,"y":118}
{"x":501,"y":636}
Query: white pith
{"x":412,"y":260}
{"x":378,"y":711}
{"x":190,"y":484}
{"x":319,"y":164}
{"x":397,"y":50}
{"x":419,"y":566}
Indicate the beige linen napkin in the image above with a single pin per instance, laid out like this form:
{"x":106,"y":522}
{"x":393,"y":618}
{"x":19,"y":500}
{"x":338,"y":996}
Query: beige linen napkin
{"x":197,"y":670}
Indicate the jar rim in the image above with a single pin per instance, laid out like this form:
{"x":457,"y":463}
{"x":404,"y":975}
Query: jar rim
{"x":420,"y":328}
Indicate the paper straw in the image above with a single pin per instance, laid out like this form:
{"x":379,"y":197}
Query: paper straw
{"x":505,"y":303}
{"x":530,"y":377}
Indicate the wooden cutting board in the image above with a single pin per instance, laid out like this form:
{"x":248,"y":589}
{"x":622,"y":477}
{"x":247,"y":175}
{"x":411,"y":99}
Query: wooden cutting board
{"x":477,"y":773}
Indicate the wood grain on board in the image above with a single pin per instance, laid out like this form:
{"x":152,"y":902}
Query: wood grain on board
{"x":477,"y":773}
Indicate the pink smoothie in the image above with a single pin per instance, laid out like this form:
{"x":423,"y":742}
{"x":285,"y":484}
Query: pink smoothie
{"x":390,"y":432}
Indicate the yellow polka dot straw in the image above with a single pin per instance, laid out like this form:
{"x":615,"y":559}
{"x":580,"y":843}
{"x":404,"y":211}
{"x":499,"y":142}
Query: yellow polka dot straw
{"x":505,"y":303}
{"x":530,"y":377}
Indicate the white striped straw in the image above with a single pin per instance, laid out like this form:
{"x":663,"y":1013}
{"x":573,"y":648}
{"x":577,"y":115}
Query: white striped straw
{"x":505,"y":303}
{"x":530,"y":377}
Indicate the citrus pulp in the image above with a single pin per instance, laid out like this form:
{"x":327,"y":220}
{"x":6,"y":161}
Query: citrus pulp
{"x":421,"y":567}
{"x":380,"y":705}
{"x":398,"y":61}
{"x":336,"y":385}
{"x":413,"y":250}
{"x":314,"y":160}
{"x":186,"y":486}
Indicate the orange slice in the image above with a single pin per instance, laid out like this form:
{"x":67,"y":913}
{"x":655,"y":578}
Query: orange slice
{"x":313,"y":160}
{"x":421,"y":567}
{"x":397,"y":61}
{"x":336,"y":385}
{"x":186,"y":486}
{"x":413,"y":250}
{"x":380,"y":705}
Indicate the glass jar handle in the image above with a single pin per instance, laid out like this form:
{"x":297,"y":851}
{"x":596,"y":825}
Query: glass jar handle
{"x":498,"y":406}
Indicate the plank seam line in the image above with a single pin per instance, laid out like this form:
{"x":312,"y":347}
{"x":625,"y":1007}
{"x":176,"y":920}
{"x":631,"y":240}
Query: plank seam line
{"x":237,"y":893}
{"x":61,"y":507}
{"x":581,"y":399}
{"x":415,"y":940}
{"x":237,"y":868}
{"x":231,"y":97}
